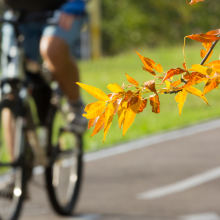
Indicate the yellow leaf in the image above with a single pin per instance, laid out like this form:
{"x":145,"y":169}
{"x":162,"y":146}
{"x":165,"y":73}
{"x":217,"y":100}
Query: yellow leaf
{"x":196,"y":92}
{"x":99,"y":125}
{"x":109,"y":114}
{"x":131,"y":113}
{"x":131,"y":80}
{"x":180,"y":99}
{"x":96,"y":92}
{"x":115,"y":88}
{"x":210,"y":85}
{"x":92,"y":122}
{"x":121,"y":112}
{"x":203,"y":70}
{"x":95,"y":110}
{"x":167,"y":84}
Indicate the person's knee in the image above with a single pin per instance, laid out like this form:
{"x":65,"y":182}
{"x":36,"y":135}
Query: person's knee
{"x":54,"y":50}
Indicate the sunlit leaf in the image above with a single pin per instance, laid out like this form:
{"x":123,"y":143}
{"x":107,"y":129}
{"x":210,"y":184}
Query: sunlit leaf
{"x":196,"y":92}
{"x":194,"y":1}
{"x":121,"y":112}
{"x":210,"y":85}
{"x":203,"y":70}
{"x":203,"y":38}
{"x":95,"y":110}
{"x":150,"y":85}
{"x":214,"y":32}
{"x":180,"y":99}
{"x":131,"y":113}
{"x":131,"y":80}
{"x":99,"y":124}
{"x":155,"y":103}
{"x":128,"y":95}
{"x":142,"y":105}
{"x":115,"y":88}
{"x":97,"y":93}
{"x":150,"y":70}
{"x":203,"y":52}
{"x":176,"y":83}
{"x":92,"y":122}
{"x":173,"y":72}
{"x":214,"y":64}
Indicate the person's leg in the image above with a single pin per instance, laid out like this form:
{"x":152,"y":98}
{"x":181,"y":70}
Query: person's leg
{"x":56,"y":55}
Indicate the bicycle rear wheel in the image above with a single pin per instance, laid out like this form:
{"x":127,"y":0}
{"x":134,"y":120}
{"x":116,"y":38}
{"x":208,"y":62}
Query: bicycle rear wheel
{"x":12,"y":169}
{"x":64,"y":175}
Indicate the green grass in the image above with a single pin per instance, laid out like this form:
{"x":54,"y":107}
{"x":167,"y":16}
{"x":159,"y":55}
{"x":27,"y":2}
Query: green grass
{"x":100,"y":73}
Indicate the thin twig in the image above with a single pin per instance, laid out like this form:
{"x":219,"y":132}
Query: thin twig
{"x":210,"y":50}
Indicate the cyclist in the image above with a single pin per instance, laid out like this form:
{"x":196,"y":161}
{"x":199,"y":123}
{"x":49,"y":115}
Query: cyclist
{"x":54,"y":44}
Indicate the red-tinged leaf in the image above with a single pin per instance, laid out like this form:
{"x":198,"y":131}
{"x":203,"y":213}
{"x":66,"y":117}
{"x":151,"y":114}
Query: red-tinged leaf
{"x":194,"y":2}
{"x":150,"y":70}
{"x":155,"y":103}
{"x":173,"y":72}
{"x":128,"y":95}
{"x":196,"y":92}
{"x":131,"y":80}
{"x":92,"y":122}
{"x":203,"y":38}
{"x":131,"y":113}
{"x":95,"y":110}
{"x":203,"y":52}
{"x":109,"y":114}
{"x":99,"y":125}
{"x":185,"y":67}
{"x":150,"y":85}
{"x":115,"y":88}
{"x":214,"y":64}
{"x":97,"y":93}
{"x":150,"y":64}
{"x":180,"y":99}
{"x":176,"y":83}
{"x":142,"y":105}
{"x":210,"y":85}
{"x":214,"y":32}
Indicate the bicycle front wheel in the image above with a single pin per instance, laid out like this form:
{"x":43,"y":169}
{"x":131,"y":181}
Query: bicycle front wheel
{"x":64,"y":175}
{"x":12,"y":170}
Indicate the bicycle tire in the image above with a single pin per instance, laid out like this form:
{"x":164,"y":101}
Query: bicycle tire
{"x":63,"y":208}
{"x":12,"y":174}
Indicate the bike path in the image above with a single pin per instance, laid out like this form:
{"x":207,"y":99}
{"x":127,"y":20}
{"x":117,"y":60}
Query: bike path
{"x":113,"y":185}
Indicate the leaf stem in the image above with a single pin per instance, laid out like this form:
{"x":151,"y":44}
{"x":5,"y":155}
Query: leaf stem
{"x":210,"y":50}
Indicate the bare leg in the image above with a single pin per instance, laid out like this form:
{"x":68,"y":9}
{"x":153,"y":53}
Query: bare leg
{"x":55,"y":53}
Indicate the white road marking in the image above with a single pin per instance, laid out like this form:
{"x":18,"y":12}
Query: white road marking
{"x":182,"y":185}
{"x":147,"y":141}
{"x":204,"y":216}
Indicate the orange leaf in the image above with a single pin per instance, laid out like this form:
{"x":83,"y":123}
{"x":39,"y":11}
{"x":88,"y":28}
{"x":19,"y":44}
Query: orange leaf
{"x":176,"y":83}
{"x":180,"y":99}
{"x":142,"y":105}
{"x":210,"y":85}
{"x":99,"y":125}
{"x":131,"y":80}
{"x":196,"y":92}
{"x":214,"y":64}
{"x":203,"y":38}
{"x":150,"y":70}
{"x":128,"y":95}
{"x":203,"y":52}
{"x":109,"y":114}
{"x":131,"y":113}
{"x":95,"y":110}
{"x":97,"y":93}
{"x":115,"y":88}
{"x":155,"y":103}
{"x":151,"y":85}
{"x":121,"y":112}
{"x":92,"y":122}
{"x":173,"y":72}
{"x":214,"y":32}
{"x":194,"y":2}
{"x":150,"y":64}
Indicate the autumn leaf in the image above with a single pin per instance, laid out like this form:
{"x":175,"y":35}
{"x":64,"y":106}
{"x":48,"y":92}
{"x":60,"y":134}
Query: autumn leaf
{"x":203,"y":70}
{"x":95,"y":110}
{"x":150,"y":70}
{"x":214,"y":64}
{"x":196,"y":92}
{"x":173,"y":72}
{"x":115,"y":88}
{"x":97,"y":93}
{"x":142,"y":105}
{"x":203,"y":38}
{"x":109,"y":114}
{"x":194,"y":2}
{"x":155,"y":103}
{"x":128,"y":95}
{"x":121,"y":112}
{"x":131,"y":80}
{"x":150,"y":85}
{"x":203,"y":52}
{"x":176,"y":83}
{"x":99,"y":125}
{"x":131,"y":113}
{"x":92,"y":122}
{"x":210,"y":85}
{"x":214,"y":32}
{"x":180,"y":99}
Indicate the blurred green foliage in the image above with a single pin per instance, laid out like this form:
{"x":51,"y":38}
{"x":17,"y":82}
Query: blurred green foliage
{"x":127,"y":23}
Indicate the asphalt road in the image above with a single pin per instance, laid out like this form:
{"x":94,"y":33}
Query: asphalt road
{"x":176,"y":179}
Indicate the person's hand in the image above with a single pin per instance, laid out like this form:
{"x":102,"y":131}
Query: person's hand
{"x":66,"y":20}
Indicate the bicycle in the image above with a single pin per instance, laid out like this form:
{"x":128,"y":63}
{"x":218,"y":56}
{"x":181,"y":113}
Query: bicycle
{"x":62,"y":152}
